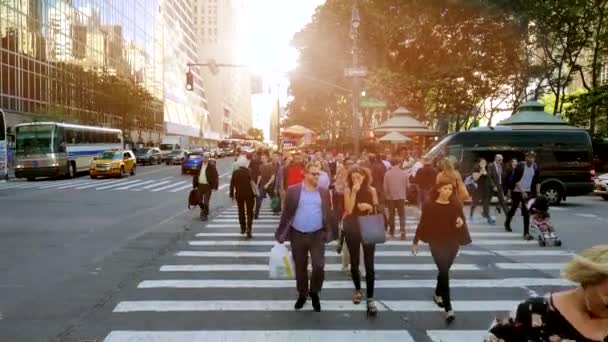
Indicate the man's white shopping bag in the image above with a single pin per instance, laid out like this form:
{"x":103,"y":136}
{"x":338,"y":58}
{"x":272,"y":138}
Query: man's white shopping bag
{"x":281,"y":264}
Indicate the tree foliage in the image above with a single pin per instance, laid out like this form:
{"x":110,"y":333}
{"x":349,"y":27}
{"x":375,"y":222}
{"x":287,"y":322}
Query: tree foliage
{"x":256,"y":134}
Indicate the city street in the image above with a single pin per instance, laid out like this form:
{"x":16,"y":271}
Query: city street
{"x":124,"y":260}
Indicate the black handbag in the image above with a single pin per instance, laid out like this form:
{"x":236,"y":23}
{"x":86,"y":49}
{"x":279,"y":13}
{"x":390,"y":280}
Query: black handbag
{"x":194,"y":198}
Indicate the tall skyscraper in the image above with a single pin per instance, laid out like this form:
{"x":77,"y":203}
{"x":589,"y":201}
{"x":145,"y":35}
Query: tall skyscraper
{"x":229,"y":92}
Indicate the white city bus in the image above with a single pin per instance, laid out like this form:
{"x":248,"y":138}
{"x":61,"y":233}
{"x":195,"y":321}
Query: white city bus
{"x":51,"y":149}
{"x":3,"y":147}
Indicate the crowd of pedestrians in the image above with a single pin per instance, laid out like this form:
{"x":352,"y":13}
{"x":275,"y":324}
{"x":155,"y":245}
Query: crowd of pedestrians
{"x":322,"y":197}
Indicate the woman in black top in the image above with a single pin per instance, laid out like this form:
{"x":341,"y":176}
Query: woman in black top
{"x":442,"y":226}
{"x":483,"y":192}
{"x":360,"y":198}
{"x":241,"y":191}
{"x":577,"y":314}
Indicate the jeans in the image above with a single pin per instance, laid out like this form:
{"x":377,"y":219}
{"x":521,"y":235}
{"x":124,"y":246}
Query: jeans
{"x":260,"y":199}
{"x":398,"y":205}
{"x":481,"y":195}
{"x":423,"y":197}
{"x":517,"y":201}
{"x":354,"y":241}
{"x":205,"y":191}
{"x":444,"y":256}
{"x":245,"y":219}
{"x":301,"y":245}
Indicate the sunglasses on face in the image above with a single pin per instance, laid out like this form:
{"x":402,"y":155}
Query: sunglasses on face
{"x":316,"y":174}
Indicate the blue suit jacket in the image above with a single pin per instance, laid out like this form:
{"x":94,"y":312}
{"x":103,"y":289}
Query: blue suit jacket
{"x":292,"y":198}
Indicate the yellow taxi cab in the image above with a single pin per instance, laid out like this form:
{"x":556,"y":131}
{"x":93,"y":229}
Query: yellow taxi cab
{"x":113,"y":163}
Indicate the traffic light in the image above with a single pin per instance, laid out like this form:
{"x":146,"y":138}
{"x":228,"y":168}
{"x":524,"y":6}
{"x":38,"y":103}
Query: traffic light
{"x":189,"y":80}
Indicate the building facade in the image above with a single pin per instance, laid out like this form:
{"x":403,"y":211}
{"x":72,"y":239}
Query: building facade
{"x":65,"y":60}
{"x":229,"y":91}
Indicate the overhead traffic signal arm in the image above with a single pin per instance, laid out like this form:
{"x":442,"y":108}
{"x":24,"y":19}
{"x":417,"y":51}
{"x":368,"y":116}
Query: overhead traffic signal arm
{"x":213,"y":67}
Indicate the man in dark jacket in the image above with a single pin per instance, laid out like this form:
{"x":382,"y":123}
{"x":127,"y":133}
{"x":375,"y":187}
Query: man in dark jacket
{"x":497,"y":175}
{"x":526,"y":186}
{"x":425,"y":180}
{"x":206,"y":180}
{"x":308,"y":222}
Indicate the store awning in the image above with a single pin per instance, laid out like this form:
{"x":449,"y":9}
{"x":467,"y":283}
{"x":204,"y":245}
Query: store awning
{"x":394,"y":137}
{"x":404,"y":123}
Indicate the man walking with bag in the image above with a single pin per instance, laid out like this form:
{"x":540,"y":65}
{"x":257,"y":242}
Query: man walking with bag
{"x":307,"y":221}
{"x":206,"y":180}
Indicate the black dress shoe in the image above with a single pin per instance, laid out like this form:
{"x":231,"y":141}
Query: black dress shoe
{"x":300,"y":303}
{"x":242,"y":231}
{"x":249,"y":236}
{"x":316,"y":302}
{"x":508,"y":227}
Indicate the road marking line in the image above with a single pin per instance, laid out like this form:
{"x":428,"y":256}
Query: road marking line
{"x":480,"y":242}
{"x":169,"y":186}
{"x":262,"y":336}
{"x":95,"y":183}
{"x":48,"y":185}
{"x":345,"y":284}
{"x":150,"y":186}
{"x":225,"y":174}
{"x":530,"y":266}
{"x":328,"y":267}
{"x":182,"y":188}
{"x":587,"y":215}
{"x":203,"y":235}
{"x":222,"y":187}
{"x":273,"y":224}
{"x":242,"y":254}
{"x":328,"y":305}
{"x":118,"y":184}
{"x":457,"y":335}
{"x":133,"y":185}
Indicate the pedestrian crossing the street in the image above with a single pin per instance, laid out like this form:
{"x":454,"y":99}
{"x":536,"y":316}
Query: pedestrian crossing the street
{"x":175,"y":184}
{"x":216,"y":287}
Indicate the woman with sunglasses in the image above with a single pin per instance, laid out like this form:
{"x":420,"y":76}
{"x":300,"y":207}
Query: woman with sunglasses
{"x":579,"y":314}
{"x":360,"y":198}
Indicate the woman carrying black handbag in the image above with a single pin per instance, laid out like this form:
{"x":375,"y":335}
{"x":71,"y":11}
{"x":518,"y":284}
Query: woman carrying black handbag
{"x":360,"y":199}
{"x":442,"y":226}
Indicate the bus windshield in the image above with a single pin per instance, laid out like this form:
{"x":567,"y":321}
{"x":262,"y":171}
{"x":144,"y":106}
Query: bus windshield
{"x":35,"y":139}
{"x":436,"y":150}
{"x":110,"y":155}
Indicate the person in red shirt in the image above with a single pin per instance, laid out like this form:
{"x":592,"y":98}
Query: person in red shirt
{"x":294,"y":172}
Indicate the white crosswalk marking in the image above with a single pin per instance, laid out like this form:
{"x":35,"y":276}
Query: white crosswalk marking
{"x":118,"y":184}
{"x":133,"y":185}
{"x":182,"y":188}
{"x":152,"y":186}
{"x":169,"y":186}
{"x":219,"y":272}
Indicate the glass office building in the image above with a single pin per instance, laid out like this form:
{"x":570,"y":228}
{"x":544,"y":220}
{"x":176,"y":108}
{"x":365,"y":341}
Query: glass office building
{"x":95,"y":62}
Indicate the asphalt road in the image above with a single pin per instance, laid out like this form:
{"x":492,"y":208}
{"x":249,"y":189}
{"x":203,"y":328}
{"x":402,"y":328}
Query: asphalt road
{"x":80,"y":258}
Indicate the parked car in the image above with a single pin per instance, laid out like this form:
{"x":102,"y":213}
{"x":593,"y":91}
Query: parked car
{"x":564,"y":156}
{"x":601,"y":186}
{"x":228,"y":151}
{"x":192,"y":164}
{"x":219,"y":153}
{"x":148,"y":155}
{"x":176,"y":157}
{"x":113,"y":163}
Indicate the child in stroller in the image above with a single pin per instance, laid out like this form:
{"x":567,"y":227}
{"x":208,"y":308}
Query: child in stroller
{"x":541,"y":221}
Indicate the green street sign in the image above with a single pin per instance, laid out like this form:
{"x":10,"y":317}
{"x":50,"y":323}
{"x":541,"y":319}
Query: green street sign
{"x":372,"y":103}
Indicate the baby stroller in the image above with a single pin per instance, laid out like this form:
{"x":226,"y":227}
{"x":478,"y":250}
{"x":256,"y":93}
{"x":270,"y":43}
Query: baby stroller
{"x":540,"y":222}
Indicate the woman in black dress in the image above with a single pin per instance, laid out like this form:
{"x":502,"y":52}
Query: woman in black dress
{"x":360,"y":198}
{"x":442,"y":226}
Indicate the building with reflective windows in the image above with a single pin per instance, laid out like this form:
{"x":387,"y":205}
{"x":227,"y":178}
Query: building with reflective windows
{"x":112,"y":63}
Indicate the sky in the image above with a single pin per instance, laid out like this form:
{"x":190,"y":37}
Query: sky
{"x":269,"y":27}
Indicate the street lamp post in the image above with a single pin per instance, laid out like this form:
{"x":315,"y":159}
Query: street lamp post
{"x":355,"y":23}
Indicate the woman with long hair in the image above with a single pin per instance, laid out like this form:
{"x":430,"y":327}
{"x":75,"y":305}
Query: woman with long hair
{"x":241,"y":191}
{"x":442,"y":226}
{"x":450,"y":175}
{"x":360,"y":198}
{"x":577,"y":314}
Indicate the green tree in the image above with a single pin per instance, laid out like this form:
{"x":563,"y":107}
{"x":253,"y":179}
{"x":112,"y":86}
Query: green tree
{"x":256,"y":134}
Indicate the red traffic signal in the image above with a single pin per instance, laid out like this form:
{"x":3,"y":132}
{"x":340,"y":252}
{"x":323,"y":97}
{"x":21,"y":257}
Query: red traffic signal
{"x":189,"y":80}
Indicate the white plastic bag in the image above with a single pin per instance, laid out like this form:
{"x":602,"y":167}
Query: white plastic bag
{"x":281,"y":264}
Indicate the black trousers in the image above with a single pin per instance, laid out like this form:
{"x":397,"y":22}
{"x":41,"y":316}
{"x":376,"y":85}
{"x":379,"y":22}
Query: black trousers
{"x":502,"y":203}
{"x":353,"y":241}
{"x":482,"y":195}
{"x":444,"y":256}
{"x":206,"y":192}
{"x":517,"y":200}
{"x":303,"y":244}
{"x":245,"y":218}
{"x":399,"y":206}
{"x":338,"y":204}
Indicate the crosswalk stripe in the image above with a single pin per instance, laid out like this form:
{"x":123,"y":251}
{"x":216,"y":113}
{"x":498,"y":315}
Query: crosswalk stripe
{"x":49,"y":185}
{"x":328,"y":305}
{"x":257,"y":234}
{"x":328,"y":267}
{"x":343,"y":284}
{"x":151,"y":186}
{"x":273,"y":224}
{"x":242,"y":254}
{"x":94,"y":183}
{"x":527,"y":266}
{"x":168,"y":186}
{"x":182,"y":188}
{"x":223,"y":186}
{"x":137,"y":181}
{"x":261,"y":336}
{"x":236,"y":220}
{"x":457,"y":335}
{"x":480,"y":242}
{"x":134,"y":185}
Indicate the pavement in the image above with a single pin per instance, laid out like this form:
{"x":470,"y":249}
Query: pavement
{"x":124,"y":260}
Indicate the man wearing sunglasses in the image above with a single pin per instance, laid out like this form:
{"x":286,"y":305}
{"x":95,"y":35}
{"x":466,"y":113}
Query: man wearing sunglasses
{"x":307,"y":221}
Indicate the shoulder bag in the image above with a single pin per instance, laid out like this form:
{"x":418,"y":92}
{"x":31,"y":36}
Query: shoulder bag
{"x":372,"y":228}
